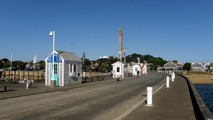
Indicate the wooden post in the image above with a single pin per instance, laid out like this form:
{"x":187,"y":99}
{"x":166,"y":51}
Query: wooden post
{"x":38,"y":75}
{"x":15,"y":75}
{"x":33,"y":74}
{"x":28,"y":74}
{"x":24,"y":74}
{"x":19,"y":74}
{"x":9,"y":74}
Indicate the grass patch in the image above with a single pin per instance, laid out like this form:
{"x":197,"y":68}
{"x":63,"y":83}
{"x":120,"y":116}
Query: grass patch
{"x":198,"y":73}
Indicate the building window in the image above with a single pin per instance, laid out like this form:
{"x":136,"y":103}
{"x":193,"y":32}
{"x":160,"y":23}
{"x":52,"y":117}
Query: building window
{"x":118,"y":69}
{"x":72,"y":69}
{"x":55,"y":68}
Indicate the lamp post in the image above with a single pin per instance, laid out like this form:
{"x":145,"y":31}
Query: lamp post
{"x":52,"y":33}
{"x":124,"y":53}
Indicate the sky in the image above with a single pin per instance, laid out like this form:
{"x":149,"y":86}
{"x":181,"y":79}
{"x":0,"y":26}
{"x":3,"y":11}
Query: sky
{"x":172,"y":29}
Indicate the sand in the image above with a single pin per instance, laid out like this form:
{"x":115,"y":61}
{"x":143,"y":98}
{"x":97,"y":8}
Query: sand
{"x":200,"y":79}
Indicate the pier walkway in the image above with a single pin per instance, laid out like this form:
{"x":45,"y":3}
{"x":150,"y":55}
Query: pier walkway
{"x":173,"y":103}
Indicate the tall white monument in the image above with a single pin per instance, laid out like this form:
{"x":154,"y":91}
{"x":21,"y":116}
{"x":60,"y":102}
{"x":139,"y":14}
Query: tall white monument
{"x":120,"y":44}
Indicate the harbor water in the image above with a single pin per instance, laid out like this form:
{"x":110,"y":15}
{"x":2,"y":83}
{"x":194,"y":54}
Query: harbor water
{"x":206,"y":92}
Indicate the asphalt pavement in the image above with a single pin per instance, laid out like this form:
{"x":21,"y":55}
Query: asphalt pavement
{"x":173,"y":103}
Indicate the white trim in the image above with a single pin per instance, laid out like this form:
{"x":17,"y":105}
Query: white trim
{"x":62,"y":72}
{"x":46,"y":81}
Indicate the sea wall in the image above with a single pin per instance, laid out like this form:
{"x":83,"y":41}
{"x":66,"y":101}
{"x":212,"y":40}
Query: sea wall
{"x":200,"y":109}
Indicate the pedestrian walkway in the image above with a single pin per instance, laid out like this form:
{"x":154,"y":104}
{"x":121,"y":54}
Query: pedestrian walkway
{"x":173,"y":103}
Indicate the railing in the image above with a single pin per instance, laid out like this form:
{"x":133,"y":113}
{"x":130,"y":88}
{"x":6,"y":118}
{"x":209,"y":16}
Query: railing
{"x":91,"y":76}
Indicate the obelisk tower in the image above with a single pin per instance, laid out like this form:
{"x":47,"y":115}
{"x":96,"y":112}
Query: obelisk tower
{"x":120,"y":44}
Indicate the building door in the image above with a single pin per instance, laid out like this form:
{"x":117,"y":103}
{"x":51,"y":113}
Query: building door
{"x":57,"y":60}
{"x":56,"y":72}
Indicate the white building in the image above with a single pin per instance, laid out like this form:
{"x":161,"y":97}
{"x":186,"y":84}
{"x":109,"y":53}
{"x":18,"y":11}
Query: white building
{"x":135,"y":69}
{"x":67,"y":68}
{"x":196,"y":66}
{"x":144,"y":68}
{"x":141,"y":67}
{"x":169,"y":66}
{"x":119,"y":70}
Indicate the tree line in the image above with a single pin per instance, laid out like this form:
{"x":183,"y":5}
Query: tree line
{"x":6,"y":64}
{"x":99,"y":65}
{"x":105,"y":64}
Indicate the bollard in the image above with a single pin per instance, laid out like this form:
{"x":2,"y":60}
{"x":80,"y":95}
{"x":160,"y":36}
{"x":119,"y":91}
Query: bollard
{"x":173,"y":77}
{"x":167,"y":82}
{"x":27,"y":85}
{"x":32,"y":83}
{"x":149,"y":96}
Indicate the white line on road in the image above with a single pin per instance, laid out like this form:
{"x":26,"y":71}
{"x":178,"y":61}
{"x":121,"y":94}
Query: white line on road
{"x":122,"y":116}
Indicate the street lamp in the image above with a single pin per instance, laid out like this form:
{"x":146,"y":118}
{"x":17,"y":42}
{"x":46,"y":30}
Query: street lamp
{"x":52,"y":33}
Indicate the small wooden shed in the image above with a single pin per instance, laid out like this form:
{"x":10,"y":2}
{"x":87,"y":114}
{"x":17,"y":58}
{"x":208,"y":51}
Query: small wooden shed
{"x":67,"y":68}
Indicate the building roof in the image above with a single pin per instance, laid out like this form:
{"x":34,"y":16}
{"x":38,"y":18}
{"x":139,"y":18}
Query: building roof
{"x":170,"y":64}
{"x":196,"y":63}
{"x":68,"y":56}
{"x":118,"y":63}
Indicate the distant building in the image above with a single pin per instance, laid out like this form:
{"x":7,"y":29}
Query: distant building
{"x":169,"y":66}
{"x":119,"y":70}
{"x":67,"y":68}
{"x":135,"y":69}
{"x":211,"y":67}
{"x":196,"y":66}
{"x":206,"y":66}
{"x":144,"y":68}
{"x":141,"y":67}
{"x":202,"y":67}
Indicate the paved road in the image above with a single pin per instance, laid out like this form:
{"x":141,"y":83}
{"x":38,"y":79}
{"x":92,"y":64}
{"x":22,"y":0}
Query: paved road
{"x":104,"y":101}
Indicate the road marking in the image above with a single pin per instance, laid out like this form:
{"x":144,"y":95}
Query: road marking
{"x":122,"y":116}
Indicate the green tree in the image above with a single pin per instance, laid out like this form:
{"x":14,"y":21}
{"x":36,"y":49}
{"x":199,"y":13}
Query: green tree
{"x":187,"y":66}
{"x":41,"y":65}
{"x":18,"y":65}
{"x":4,"y":63}
{"x":154,"y":61}
{"x":105,"y":64}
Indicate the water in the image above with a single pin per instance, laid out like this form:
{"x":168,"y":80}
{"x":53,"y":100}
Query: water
{"x":206,"y":92}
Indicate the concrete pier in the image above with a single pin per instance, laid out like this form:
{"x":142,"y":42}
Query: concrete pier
{"x":175,"y":103}
{"x":178,"y":102}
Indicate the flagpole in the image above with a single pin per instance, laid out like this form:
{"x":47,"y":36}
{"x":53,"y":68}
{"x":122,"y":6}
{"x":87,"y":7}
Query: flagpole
{"x":52,"y":33}
{"x":34,"y":66}
{"x":53,"y":54}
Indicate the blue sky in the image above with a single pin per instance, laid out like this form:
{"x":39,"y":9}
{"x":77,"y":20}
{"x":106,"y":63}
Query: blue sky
{"x":172,"y":29}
